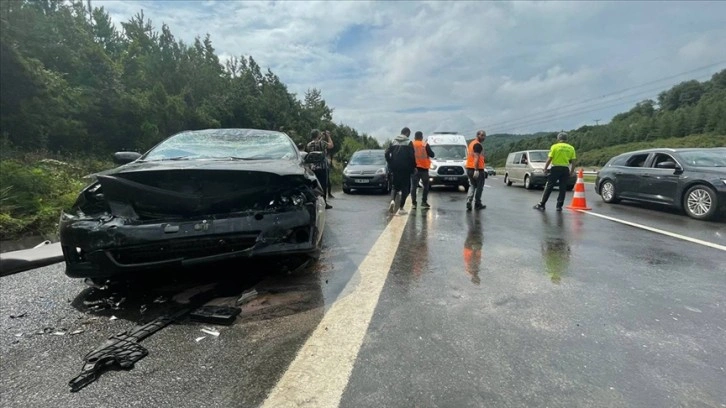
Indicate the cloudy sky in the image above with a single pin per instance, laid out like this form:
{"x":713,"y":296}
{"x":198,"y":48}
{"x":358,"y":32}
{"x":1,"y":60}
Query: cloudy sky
{"x":461,"y":65}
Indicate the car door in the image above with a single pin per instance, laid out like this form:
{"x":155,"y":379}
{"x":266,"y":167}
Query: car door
{"x":517,"y":169}
{"x":659,"y":182}
{"x":628,"y":177}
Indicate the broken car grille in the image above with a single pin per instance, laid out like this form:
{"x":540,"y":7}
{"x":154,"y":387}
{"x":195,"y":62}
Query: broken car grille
{"x":183,"y":248}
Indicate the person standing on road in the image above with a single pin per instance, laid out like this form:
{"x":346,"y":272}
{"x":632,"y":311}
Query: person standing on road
{"x":317,"y":144}
{"x":475,"y":171}
{"x":561,"y":156}
{"x":402,"y":162}
{"x":330,"y":164}
{"x":424,"y":154}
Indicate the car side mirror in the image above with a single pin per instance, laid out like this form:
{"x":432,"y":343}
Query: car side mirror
{"x":125,"y":157}
{"x":678,"y":169}
{"x":666,"y":165}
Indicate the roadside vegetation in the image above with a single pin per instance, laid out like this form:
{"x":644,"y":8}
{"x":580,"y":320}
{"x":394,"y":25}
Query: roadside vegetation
{"x":75,"y":90}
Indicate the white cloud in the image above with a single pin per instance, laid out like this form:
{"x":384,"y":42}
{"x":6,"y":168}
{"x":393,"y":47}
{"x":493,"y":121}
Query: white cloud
{"x":500,"y":63}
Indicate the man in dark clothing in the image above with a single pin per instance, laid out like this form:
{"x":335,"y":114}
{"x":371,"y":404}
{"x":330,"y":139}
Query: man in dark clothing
{"x":424,"y":154}
{"x":402,"y":162}
{"x":317,"y":144}
{"x":330,"y":166}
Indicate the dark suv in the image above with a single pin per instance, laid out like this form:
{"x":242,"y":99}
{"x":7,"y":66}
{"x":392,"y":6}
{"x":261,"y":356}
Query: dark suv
{"x":692,"y":180}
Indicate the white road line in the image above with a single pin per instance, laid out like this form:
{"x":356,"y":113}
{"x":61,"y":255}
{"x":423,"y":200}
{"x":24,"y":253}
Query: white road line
{"x":659,"y":231}
{"x":320,"y":372}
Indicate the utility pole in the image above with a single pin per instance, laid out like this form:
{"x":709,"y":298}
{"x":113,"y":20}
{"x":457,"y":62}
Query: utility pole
{"x":597,"y":121}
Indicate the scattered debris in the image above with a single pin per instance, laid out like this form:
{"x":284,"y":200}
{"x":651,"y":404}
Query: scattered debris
{"x":59,"y":333}
{"x":77,"y":331}
{"x":210,"y":331}
{"x":19,"y":335}
{"x":143,"y":309}
{"x":215,"y":314}
{"x":18,"y":316}
{"x":113,"y":318}
{"x":198,"y":339}
{"x":160,"y":299}
{"x":247,"y":296}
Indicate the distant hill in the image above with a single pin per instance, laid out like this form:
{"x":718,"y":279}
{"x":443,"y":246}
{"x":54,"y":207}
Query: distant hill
{"x":689,"y":108}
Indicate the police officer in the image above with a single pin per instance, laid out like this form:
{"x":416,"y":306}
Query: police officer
{"x":423,"y":153}
{"x":561,"y":156}
{"x":475,"y":171}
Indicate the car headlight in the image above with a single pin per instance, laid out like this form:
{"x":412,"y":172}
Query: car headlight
{"x":345,"y":171}
{"x":723,"y":180}
{"x":382,"y":170}
{"x":538,"y":171}
{"x":433,"y":167}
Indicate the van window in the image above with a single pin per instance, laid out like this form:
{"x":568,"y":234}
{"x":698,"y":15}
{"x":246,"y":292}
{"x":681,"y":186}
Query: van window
{"x":517,"y":158}
{"x":538,"y":157}
{"x":449,"y":152}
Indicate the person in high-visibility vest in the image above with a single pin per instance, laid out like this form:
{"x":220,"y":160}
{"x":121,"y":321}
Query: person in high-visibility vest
{"x":423,"y":153}
{"x":475,"y":171}
{"x":561,"y":156}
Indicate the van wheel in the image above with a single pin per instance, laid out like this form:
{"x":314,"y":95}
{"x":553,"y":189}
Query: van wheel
{"x":527,"y":183}
{"x":507,"y":181}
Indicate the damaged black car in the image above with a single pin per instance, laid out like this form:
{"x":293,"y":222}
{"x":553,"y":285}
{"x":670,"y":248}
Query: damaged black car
{"x":197,"y":197}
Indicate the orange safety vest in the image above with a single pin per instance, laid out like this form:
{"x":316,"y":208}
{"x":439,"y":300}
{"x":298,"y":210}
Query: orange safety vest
{"x":470,"y":157}
{"x":422,"y":156}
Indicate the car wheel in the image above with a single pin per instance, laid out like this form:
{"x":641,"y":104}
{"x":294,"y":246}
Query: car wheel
{"x":700,"y":202}
{"x":506,"y":180}
{"x":607,"y":192}
{"x":346,"y":190}
{"x":527,"y":183}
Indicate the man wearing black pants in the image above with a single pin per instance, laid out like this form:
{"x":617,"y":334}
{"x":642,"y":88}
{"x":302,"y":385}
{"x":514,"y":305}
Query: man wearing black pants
{"x":402,"y":162}
{"x":561,"y":156}
{"x":317,"y":144}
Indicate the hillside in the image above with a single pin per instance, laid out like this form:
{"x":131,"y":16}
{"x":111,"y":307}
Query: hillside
{"x":691,"y":108}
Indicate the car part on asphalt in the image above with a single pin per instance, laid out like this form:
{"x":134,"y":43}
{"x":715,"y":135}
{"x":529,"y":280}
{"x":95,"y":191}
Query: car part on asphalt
{"x":123,"y":349}
{"x":215,"y":314}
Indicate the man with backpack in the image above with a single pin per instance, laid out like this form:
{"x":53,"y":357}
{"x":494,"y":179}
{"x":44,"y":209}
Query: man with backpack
{"x":402,"y":163}
{"x":317,"y":144}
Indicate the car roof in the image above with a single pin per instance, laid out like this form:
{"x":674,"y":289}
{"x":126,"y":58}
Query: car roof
{"x":369,"y":151}
{"x":672,"y":150}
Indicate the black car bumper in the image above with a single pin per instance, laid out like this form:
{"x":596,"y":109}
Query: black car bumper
{"x":93,"y":248}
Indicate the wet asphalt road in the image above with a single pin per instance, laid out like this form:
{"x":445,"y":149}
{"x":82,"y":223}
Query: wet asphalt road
{"x":503,"y":307}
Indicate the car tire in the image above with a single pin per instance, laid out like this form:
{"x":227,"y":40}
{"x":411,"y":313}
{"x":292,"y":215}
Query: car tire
{"x":346,"y":190}
{"x":528,"y":183}
{"x":507,"y":181}
{"x":700,"y":202}
{"x":607,"y":192}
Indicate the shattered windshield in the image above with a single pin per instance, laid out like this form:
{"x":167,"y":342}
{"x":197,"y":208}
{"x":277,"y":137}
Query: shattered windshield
{"x":705,"y":158}
{"x":368,"y":158}
{"x":236,"y":144}
{"x":449,"y":152}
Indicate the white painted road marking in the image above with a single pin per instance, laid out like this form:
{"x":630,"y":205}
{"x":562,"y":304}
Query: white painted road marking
{"x":320,"y":372}
{"x":659,"y":231}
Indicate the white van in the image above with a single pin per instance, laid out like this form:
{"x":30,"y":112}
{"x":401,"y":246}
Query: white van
{"x":527,"y":167}
{"x":448,"y":165}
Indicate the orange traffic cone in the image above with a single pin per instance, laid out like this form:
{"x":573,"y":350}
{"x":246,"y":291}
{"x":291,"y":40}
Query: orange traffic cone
{"x":578,"y":200}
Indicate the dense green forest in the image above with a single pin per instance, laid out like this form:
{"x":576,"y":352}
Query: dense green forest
{"x":689,"y":108}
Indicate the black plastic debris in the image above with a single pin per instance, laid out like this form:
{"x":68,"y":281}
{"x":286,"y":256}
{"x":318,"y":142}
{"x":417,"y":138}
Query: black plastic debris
{"x":215,"y":314}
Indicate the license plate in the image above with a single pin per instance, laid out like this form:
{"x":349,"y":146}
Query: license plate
{"x":362,"y":181}
{"x":450,"y":178}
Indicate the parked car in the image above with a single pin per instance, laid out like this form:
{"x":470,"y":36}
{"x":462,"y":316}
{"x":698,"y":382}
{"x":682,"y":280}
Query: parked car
{"x":527,"y":167}
{"x":692,"y":180}
{"x":367,"y":170}
{"x":490,"y":171}
{"x":196,"y":197}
